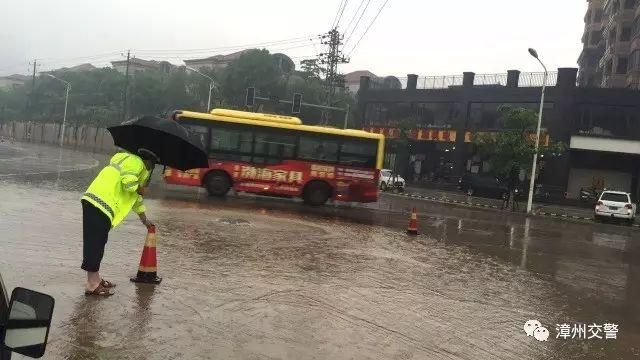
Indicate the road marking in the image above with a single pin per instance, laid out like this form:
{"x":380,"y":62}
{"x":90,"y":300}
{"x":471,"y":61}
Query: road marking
{"x":541,"y":213}
{"x":53,"y":172}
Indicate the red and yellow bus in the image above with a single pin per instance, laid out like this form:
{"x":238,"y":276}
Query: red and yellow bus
{"x":278,"y":155}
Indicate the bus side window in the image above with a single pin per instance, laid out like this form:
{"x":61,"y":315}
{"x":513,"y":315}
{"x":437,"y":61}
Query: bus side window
{"x":273,"y":146}
{"x":358,"y":153}
{"x":317,"y":149}
{"x":230,"y":144}
{"x":199,"y":132}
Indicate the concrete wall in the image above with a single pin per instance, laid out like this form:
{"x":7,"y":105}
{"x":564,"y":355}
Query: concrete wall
{"x":80,"y":137}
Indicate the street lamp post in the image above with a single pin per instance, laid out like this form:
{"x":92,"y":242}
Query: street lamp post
{"x":67,"y":86}
{"x":534,"y":53}
{"x":211,"y":85}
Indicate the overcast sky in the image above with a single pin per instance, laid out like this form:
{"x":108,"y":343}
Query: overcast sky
{"x":426,"y":37}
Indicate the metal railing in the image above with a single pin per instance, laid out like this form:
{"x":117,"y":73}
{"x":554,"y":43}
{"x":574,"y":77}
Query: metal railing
{"x":490,"y":80}
{"x":535,"y":79}
{"x":527,"y":79}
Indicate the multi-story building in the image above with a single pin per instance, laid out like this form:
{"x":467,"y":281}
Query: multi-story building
{"x":137,"y":65}
{"x":611,"y":44}
{"x":352,"y":80}
{"x":600,"y":127}
{"x":12,"y":81}
{"x":219,"y":62}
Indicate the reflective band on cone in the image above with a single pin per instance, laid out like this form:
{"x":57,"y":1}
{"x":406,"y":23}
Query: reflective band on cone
{"x":412,"y":229}
{"x":147,"y":271}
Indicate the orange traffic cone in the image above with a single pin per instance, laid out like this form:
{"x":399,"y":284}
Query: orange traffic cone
{"x":412,"y":229}
{"x":147,"y":271}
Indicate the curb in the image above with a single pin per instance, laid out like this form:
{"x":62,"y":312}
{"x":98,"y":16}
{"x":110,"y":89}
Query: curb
{"x":486,"y":206}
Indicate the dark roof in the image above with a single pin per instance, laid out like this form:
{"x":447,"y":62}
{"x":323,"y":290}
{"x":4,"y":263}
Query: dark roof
{"x":77,"y":68}
{"x":354,"y":76}
{"x":219,"y":58}
{"x":16,"y":77}
{"x":138,"y":61}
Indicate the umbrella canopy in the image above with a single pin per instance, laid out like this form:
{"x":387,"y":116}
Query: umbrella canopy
{"x":173,"y":144}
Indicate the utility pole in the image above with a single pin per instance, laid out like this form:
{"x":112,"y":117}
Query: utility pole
{"x":332,"y":58}
{"x":125,"y":100}
{"x":31,"y":100}
{"x":33,"y":78}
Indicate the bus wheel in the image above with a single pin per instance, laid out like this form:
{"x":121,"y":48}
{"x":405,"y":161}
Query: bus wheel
{"x":316,"y":193}
{"x":217,"y":183}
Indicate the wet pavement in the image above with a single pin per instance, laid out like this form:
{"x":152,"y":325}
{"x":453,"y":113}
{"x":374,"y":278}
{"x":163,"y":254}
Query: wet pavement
{"x":459,"y":198}
{"x":262,"y":278}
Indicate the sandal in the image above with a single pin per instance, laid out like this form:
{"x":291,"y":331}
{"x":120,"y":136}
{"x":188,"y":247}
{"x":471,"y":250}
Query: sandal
{"x":100,"y":291}
{"x":107,"y":284}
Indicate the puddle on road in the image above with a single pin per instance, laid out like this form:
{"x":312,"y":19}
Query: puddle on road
{"x":252,"y":278}
{"x":233,"y":221}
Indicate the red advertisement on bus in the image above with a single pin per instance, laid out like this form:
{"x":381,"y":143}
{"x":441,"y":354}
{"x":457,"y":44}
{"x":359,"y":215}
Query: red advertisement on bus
{"x":277,"y":155}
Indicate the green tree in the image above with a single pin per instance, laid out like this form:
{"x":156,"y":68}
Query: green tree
{"x":311,"y":69}
{"x":514,"y":145}
{"x":254,"y":68}
{"x":96,"y":95}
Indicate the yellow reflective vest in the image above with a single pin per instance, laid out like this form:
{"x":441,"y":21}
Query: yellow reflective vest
{"x":113,"y":191}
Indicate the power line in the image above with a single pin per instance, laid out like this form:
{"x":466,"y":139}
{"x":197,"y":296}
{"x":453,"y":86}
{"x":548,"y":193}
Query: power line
{"x":355,"y":14}
{"x":192,"y":55}
{"x":335,"y":18}
{"x":57,"y":60}
{"x":277,"y":45}
{"x":357,"y":22}
{"x":230,"y":47}
{"x":275,"y":48}
{"x":341,"y":12}
{"x":302,"y":57}
{"x":74,"y":63}
{"x":368,"y":27}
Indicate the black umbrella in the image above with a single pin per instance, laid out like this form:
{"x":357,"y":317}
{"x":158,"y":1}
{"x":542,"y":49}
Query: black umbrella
{"x":173,"y":144}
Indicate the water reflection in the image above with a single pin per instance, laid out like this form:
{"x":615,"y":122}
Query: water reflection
{"x":84,"y":329}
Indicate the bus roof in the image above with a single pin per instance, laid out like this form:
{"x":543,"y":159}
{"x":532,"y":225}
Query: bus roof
{"x":274,"y":121}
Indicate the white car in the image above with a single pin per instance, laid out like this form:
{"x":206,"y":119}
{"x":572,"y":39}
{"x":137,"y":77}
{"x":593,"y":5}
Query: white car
{"x":390,"y":181}
{"x":615,"y":205}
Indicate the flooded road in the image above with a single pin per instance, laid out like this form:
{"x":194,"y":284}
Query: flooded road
{"x":260,"y":278}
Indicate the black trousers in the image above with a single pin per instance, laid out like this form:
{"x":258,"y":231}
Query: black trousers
{"x":95,"y":232}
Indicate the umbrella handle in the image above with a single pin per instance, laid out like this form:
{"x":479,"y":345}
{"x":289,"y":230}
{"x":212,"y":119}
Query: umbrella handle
{"x":149,"y":179}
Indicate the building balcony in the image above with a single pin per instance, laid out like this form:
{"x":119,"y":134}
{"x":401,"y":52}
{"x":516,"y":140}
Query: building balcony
{"x":633,"y":79}
{"x":614,"y":81}
{"x":591,"y":51}
{"x":588,"y":28}
{"x":622,"y":48}
{"x":618,"y":17}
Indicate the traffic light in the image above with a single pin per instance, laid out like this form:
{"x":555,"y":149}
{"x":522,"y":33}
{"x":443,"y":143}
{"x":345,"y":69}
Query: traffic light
{"x":251,"y":96}
{"x":297,"y":103}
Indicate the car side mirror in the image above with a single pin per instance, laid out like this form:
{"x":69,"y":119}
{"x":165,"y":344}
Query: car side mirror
{"x":28,"y":321}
